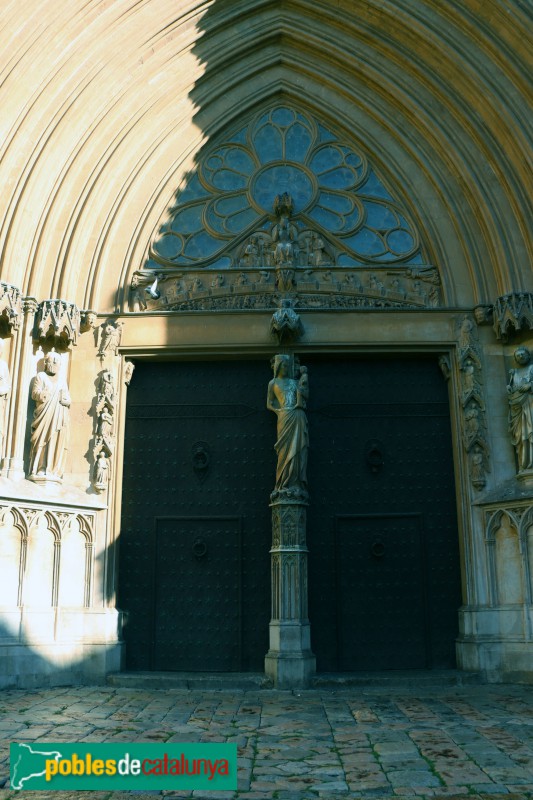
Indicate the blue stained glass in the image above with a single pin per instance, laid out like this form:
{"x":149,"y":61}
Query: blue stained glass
{"x":374,"y":188}
{"x":201,"y":245}
{"x":231,"y":204}
{"x":400,"y":242}
{"x":340,"y":178}
{"x":240,"y":137}
{"x":221,"y":263}
{"x":216,"y":222}
{"x":268,"y":144}
{"x":366,"y":242}
{"x":194,"y":190}
{"x":214,"y":162}
{"x":379,"y":217}
{"x":325,"y":159}
{"x":297,"y":142}
{"x":353,"y":160}
{"x":325,"y":135}
{"x":351,"y":221}
{"x":169,"y":246}
{"x":328,"y":220}
{"x":278,"y":179}
{"x":189,"y":219}
{"x":344,"y":260}
{"x":240,"y":161}
{"x":336,"y":202}
{"x":416,"y":260}
{"x":229,"y":180}
{"x":238,"y":222}
{"x":283,"y":117}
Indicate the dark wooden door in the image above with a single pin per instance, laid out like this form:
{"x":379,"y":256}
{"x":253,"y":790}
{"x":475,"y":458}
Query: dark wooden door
{"x":382,"y":531}
{"x":194,"y":563}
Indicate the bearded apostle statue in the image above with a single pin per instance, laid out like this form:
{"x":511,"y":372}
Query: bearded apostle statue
{"x":51,"y":424}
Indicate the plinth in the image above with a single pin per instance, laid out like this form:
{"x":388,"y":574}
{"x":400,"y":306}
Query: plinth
{"x":289,"y":661}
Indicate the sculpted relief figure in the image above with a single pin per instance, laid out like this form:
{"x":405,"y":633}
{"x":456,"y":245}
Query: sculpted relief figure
{"x":5,"y":388}
{"x":51,"y":424}
{"x":287,"y":399}
{"x":520,"y":392}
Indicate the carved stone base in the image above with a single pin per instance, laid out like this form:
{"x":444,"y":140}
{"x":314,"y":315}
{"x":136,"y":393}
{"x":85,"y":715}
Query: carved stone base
{"x":289,"y":663}
{"x":526,"y":476}
{"x":46,"y":481}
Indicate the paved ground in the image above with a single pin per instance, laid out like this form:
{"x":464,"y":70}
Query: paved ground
{"x":447,"y":742}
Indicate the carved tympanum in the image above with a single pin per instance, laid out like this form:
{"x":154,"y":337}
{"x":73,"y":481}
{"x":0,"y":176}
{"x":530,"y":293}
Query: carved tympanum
{"x":520,"y":392}
{"x":50,"y":428}
{"x":287,"y":398}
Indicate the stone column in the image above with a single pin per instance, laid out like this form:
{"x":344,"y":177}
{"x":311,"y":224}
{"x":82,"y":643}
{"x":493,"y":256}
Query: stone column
{"x":22,"y":370}
{"x":289,"y":661}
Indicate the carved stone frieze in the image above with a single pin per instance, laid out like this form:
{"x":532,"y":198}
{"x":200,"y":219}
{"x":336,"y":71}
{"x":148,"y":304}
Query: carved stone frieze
{"x":263,"y":289}
{"x":513,"y":313}
{"x":11,"y":308}
{"x":61,"y":524}
{"x":58,"y":323}
{"x":473,"y":418}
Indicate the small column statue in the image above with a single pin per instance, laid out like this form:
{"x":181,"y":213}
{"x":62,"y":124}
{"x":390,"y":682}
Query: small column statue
{"x":289,"y":661}
{"x":520,"y":392}
{"x":50,"y":428}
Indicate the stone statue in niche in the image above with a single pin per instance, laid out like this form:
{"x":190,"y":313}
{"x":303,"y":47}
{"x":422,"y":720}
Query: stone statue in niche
{"x":520,"y":392}
{"x":319,"y":254}
{"x":251,"y":254}
{"x":287,"y":399}
{"x":111,"y":336}
{"x":101,"y":472}
{"x":5,"y":388}
{"x":284,"y":233}
{"x":50,"y":428}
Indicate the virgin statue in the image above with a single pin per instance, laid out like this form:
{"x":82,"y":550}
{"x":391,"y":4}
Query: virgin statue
{"x":287,"y":399}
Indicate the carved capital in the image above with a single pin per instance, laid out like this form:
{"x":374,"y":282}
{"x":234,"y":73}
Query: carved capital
{"x":30,"y":305}
{"x":513,"y":313}
{"x":10,"y":308}
{"x":59,"y":321}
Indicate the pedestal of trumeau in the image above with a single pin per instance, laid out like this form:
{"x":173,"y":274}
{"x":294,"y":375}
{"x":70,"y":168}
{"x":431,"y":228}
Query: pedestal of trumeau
{"x":289,"y":661}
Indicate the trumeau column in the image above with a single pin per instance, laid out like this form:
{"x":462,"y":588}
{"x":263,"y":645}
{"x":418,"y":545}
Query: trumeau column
{"x":289,"y":661}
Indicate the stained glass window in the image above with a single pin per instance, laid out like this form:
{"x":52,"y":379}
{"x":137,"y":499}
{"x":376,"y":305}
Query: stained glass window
{"x":334,"y":191}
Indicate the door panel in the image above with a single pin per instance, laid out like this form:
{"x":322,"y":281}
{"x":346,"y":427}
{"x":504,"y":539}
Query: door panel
{"x":198,"y":594}
{"x":380,"y":446}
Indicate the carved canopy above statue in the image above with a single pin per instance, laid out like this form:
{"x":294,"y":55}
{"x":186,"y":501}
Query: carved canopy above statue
{"x":284,"y":192}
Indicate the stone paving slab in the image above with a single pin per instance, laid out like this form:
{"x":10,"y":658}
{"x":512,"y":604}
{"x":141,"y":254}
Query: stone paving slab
{"x":452,"y":743}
